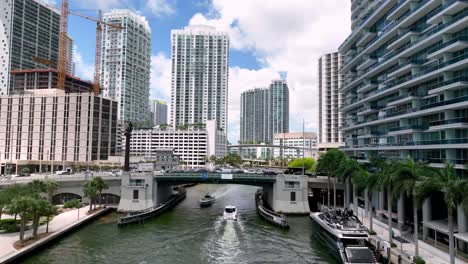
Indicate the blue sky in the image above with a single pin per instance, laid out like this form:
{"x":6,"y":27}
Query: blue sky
{"x":265,"y":39}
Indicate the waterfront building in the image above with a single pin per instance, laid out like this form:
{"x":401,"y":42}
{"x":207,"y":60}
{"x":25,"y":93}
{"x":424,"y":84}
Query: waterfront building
{"x":200,"y":64}
{"x":22,"y":40}
{"x":254,"y":119}
{"x":261,"y":152}
{"x":264,"y":112}
{"x":126,"y":62}
{"x":158,"y":109}
{"x":330,"y":99}
{"x":307,"y":141}
{"x":156,"y":160}
{"x":406,"y":92}
{"x":50,"y":126}
{"x":194,"y":145}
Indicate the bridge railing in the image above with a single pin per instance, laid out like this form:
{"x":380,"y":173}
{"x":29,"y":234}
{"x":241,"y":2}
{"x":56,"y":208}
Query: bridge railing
{"x":217,"y":176}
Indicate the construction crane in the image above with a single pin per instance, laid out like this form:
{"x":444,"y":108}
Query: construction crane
{"x":61,"y":69}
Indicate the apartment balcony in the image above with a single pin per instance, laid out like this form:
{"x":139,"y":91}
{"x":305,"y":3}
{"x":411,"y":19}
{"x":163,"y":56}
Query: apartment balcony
{"x":444,"y":102}
{"x":367,"y":61}
{"x":451,"y":84}
{"x":350,"y":53}
{"x":406,"y":129}
{"x":368,"y":85}
{"x":454,"y":123}
{"x":453,"y":45}
{"x":406,"y":68}
{"x":440,"y":163}
{"x":402,"y":7}
{"x":404,"y":37}
{"x":450,"y":8}
{"x":423,"y":144}
{"x":421,"y":9}
{"x":366,"y":37}
{"x":367,"y":111}
{"x":403,"y":99}
{"x":371,"y":134}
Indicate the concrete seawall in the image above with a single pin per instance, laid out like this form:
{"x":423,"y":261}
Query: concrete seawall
{"x":15,"y":256}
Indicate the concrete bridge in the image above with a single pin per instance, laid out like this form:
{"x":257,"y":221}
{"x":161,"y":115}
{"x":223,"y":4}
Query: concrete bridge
{"x":138,"y":191}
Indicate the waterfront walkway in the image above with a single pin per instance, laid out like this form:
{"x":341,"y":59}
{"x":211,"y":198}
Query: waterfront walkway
{"x":60,"y":222}
{"x":429,"y":253}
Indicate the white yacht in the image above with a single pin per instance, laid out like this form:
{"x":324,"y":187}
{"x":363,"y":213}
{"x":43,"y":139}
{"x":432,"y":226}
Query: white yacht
{"x":230,"y":212}
{"x":344,"y":234}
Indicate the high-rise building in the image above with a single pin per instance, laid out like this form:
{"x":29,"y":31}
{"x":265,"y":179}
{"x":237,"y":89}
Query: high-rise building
{"x":264,"y":112}
{"x":29,"y":30}
{"x":254,"y":116}
{"x":406,"y":90}
{"x":199,"y":91}
{"x":126,"y":61}
{"x":70,"y":56}
{"x":279,"y":108}
{"x":51,"y":127}
{"x":158,"y":109}
{"x":330,"y":99}
{"x":307,"y":141}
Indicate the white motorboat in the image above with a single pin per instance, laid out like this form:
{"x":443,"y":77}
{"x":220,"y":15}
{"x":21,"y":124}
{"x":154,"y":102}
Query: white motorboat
{"x":230,"y":212}
{"x":207,"y":200}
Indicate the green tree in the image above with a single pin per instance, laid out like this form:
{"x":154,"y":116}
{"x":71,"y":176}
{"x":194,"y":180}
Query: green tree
{"x":90,"y":191}
{"x":345,"y":171}
{"x":49,"y":212}
{"x":328,"y":164}
{"x":386,"y":180}
{"x":38,"y":209}
{"x":453,"y":189}
{"x":51,"y":187}
{"x":367,"y":182}
{"x":5,"y":199}
{"x":22,"y":206}
{"x":100,"y":185}
{"x":308,"y":163}
{"x":407,"y":181}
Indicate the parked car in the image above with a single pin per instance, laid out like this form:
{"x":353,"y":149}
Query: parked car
{"x":269,"y":173}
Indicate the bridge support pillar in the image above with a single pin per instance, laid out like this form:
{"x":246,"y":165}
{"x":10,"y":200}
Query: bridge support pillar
{"x":136,"y":192}
{"x":290,"y":194}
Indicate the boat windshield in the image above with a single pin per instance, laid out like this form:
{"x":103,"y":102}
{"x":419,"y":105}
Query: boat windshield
{"x":229,"y":210}
{"x":359,"y":255}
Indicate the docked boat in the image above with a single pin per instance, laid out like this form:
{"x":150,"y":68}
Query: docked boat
{"x":207,"y":200}
{"x":230,"y":213}
{"x":342,"y":232}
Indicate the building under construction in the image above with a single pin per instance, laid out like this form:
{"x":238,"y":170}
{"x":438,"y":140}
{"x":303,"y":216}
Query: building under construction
{"x":35,"y":79}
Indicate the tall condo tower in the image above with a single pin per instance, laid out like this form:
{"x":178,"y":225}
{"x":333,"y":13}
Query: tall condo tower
{"x":330,"y":99}
{"x":279,"y":108}
{"x":126,"y":61}
{"x":199,"y":93}
{"x":158,"y":110}
{"x":254,"y":116}
{"x":264,"y":112}
{"x":28,"y":29}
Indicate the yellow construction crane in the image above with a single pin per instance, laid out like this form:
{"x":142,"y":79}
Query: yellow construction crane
{"x":62,"y":61}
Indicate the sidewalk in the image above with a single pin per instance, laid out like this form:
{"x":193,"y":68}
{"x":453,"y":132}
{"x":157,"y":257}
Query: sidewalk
{"x":58,"y":222}
{"x":429,"y":253}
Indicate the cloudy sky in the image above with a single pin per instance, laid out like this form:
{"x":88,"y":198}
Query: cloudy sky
{"x":267,"y":36}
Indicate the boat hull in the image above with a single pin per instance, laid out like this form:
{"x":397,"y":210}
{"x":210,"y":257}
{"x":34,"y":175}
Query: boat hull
{"x":326,"y":239}
{"x":206,"y":202}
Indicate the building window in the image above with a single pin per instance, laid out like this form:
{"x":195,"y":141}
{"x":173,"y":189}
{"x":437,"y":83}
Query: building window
{"x":291,"y":184}
{"x":293,"y":196}
{"x":135,"y":195}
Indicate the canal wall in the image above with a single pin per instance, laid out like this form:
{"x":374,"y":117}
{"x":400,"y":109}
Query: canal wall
{"x":15,"y":256}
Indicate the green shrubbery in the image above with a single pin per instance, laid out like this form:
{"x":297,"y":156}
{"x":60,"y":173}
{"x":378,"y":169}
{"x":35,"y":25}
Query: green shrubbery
{"x":9,"y":225}
{"x":419,"y":260}
{"x":75,"y":203}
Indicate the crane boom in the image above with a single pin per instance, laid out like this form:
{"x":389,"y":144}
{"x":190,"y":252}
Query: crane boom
{"x":62,"y":62}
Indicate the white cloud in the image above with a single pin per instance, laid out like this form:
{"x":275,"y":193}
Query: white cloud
{"x":83,"y":70}
{"x":283,"y":35}
{"x":160,"y":83}
{"x":160,"y":7}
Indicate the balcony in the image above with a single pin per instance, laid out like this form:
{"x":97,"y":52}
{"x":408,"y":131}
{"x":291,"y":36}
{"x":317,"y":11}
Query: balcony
{"x":366,"y":37}
{"x":406,"y":129}
{"x":368,"y":85}
{"x":445,"y":102}
{"x":450,"y":8}
{"x":453,"y":45}
{"x":367,"y":110}
{"x":405,"y":36}
{"x":371,"y":134}
{"x":402,"y":7}
{"x":454,"y":123}
{"x":419,"y":11}
{"x":451,"y":84}
{"x":405,"y":67}
{"x":367,"y":61}
{"x":404,"y":98}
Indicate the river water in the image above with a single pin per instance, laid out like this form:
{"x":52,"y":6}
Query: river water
{"x":189,"y":234}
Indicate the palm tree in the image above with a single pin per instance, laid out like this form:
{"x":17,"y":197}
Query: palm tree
{"x":407,"y":181}
{"x":328,"y":163}
{"x":346,"y":170}
{"x":90,"y":191}
{"x":453,"y":189}
{"x":51,"y":187}
{"x":23,"y":207}
{"x":386,"y":179}
{"x":100,"y":185}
